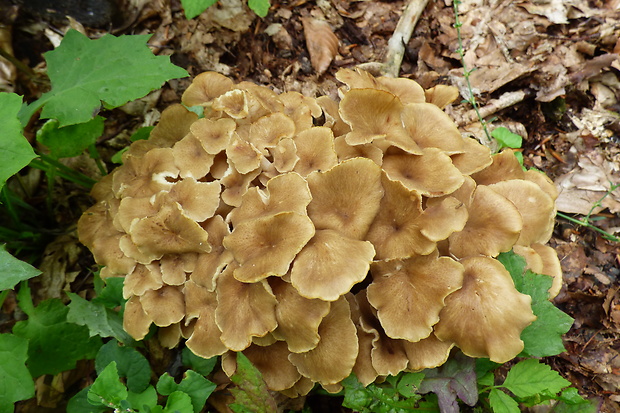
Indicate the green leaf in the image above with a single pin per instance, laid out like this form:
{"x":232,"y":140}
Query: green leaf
{"x":147,"y":398}
{"x":193,"y":384}
{"x":543,"y":337}
{"x":506,"y":138}
{"x":84,"y":73}
{"x":107,"y":390}
{"x":197,"y":363}
{"x":571,"y":396}
{"x":179,"y":402}
{"x":131,"y":364}
{"x":260,"y":7}
{"x":502,"y":403}
{"x":356,"y":396}
{"x":193,"y":8}
{"x":15,"y":149}
{"x":70,"y":140}
{"x":100,"y":320}
{"x":111,"y":295}
{"x":15,"y":380}
{"x":409,"y":384}
{"x":530,"y":377}
{"x":55,"y":344}
{"x":80,"y":404}
{"x":250,"y":391}
{"x":12,"y":270}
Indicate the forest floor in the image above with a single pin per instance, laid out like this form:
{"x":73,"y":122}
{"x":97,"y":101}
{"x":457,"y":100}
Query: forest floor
{"x":547,"y":70}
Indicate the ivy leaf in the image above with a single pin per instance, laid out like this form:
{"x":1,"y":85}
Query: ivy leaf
{"x":101,"y":321}
{"x":70,"y":140}
{"x":55,"y":344}
{"x":178,"y":402}
{"x":193,"y":8}
{"x":15,"y":380}
{"x":107,"y":390}
{"x":455,"y":378}
{"x":193,"y":384}
{"x":502,"y":403}
{"x":111,"y":295}
{"x":543,"y":337}
{"x":146,"y":398}
{"x":260,"y":7}
{"x":530,"y":377}
{"x":196,"y":363}
{"x":506,"y":138}
{"x":15,"y":149}
{"x":84,"y":73}
{"x":250,"y":394}
{"x":131,"y":364}
{"x":409,"y":384}
{"x":80,"y":404}
{"x":12,"y":270}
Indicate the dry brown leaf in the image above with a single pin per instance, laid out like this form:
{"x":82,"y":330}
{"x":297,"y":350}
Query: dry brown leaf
{"x":321,"y":42}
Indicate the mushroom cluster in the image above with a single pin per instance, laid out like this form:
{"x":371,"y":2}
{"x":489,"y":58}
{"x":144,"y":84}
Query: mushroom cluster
{"x":319,"y":237}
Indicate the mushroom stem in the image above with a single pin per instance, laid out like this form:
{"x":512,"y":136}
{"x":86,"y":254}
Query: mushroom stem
{"x":401,"y":36}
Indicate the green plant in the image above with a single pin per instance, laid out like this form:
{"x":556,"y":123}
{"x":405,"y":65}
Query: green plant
{"x":587,"y":220}
{"x":86,"y":76}
{"x":194,"y":7}
{"x":473,"y":382}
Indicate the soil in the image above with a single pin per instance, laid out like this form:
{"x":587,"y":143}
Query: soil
{"x":555,"y":63}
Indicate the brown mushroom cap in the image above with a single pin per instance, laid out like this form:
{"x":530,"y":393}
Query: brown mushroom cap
{"x":427,"y":353}
{"x":536,"y":208}
{"x":333,"y":358}
{"x":332,"y":116}
{"x":346,"y":198}
{"x":213,"y":135}
{"x":135,"y":321}
{"x":199,"y":200}
{"x":243,"y":156}
{"x":505,"y":165}
{"x":493,"y":226}
{"x":395,"y":232}
{"x":330,"y":264}
{"x":474,"y":158}
{"x":173,"y":125}
{"x":146,"y":175}
{"x":440,"y":220}
{"x":368,"y":150}
{"x":267,"y":245}
{"x":486,"y":316}
{"x":441,"y":95}
{"x":284,"y":193}
{"x":430,"y":127}
{"x":236,"y":185}
{"x":273,"y":363}
{"x":206,"y":87}
{"x":409,"y":294}
{"x":407,"y":90}
{"x":374,"y":114}
{"x":210,"y":264}
{"x":302,"y":109}
{"x":205,"y":337}
{"x":142,"y":279}
{"x":387,"y":355}
{"x":164,"y":306}
{"x":168,"y":232}
{"x":284,"y":155}
{"x":244,"y":310}
{"x":191,"y":158}
{"x":432,"y":174}
{"x":298,"y":317}
{"x":315,"y":149}
{"x":267,"y":131}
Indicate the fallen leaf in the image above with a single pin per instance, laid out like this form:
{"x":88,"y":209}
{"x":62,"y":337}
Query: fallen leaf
{"x":321,"y":42}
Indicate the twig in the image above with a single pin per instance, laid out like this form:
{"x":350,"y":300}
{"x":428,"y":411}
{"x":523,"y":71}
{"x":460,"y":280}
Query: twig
{"x":400,"y":37}
{"x":506,"y":100}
